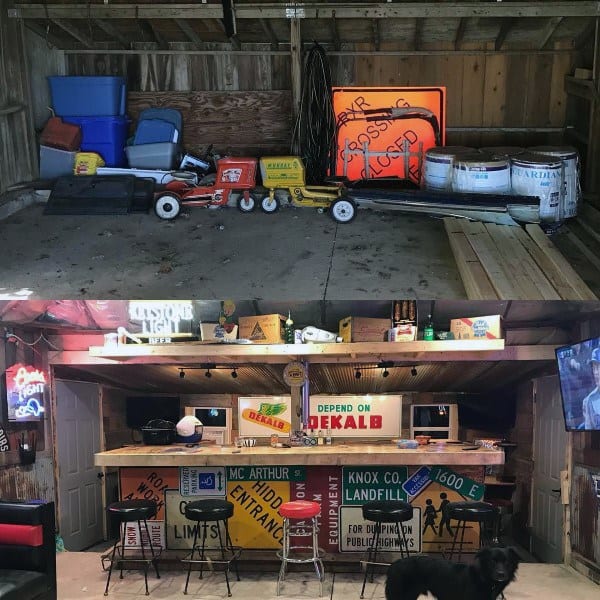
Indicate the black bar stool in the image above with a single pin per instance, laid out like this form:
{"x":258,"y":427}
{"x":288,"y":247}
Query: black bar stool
{"x":129,"y":511}
{"x":296,"y":515}
{"x":484,"y":513}
{"x":204,"y":512}
{"x":386,"y":511}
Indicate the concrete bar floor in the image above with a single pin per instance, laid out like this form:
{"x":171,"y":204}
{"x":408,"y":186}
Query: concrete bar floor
{"x":80,"y":575}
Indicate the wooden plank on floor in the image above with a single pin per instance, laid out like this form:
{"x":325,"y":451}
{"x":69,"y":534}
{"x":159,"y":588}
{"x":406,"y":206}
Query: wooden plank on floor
{"x":564,"y":289}
{"x":560,"y":262}
{"x":474,"y":278}
{"x":588,"y":245}
{"x":524,"y":269}
{"x":484,"y":247}
{"x":589,"y":219}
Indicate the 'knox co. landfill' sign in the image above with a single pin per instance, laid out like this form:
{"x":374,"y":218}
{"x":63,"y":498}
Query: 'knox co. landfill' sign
{"x":366,"y":484}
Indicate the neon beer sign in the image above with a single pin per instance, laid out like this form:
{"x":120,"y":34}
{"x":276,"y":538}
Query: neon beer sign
{"x":161,"y":320}
{"x":25,"y":389}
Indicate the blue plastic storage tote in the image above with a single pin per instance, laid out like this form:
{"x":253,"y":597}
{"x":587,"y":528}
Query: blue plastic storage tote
{"x":105,"y":135}
{"x":88,"y":96}
{"x":151,"y":131}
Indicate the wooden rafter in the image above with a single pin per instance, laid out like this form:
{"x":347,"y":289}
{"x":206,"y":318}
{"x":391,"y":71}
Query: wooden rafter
{"x":585,"y":35}
{"x":506,"y":26}
{"x":112,"y":31}
{"x":270,"y":33}
{"x":551,"y":27}
{"x":388,"y":10}
{"x":74,"y":32}
{"x":189,"y":32}
{"x":418,"y":34}
{"x":235,"y":42}
{"x":460,"y":33}
{"x":47,"y":35}
{"x":335,"y":34}
{"x":376,"y":34}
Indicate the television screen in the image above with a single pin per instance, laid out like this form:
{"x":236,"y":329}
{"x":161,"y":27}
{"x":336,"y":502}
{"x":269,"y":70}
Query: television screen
{"x":579,"y":374}
{"x":141,"y":409}
{"x":212,"y":417}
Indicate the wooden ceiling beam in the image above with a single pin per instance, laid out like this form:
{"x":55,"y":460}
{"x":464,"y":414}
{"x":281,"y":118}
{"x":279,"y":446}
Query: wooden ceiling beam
{"x":74,"y":32}
{"x":460,"y":33}
{"x":504,"y":30}
{"x":233,"y":40}
{"x":585,"y":36}
{"x":113,"y":32}
{"x":551,"y":27}
{"x":270,"y":33}
{"x":387,"y":10}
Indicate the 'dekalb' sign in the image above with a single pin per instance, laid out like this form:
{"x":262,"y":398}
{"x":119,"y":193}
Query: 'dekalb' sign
{"x":356,"y":416}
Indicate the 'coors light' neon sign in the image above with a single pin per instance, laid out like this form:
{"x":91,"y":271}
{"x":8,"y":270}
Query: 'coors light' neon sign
{"x":25,"y":389}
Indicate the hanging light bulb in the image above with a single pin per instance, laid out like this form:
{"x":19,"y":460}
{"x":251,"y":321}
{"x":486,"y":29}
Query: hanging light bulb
{"x":208,"y":373}
{"x":181,"y":374}
{"x":234,"y":373}
{"x":385,"y":372}
{"x":358,"y":374}
{"x":413,"y":371}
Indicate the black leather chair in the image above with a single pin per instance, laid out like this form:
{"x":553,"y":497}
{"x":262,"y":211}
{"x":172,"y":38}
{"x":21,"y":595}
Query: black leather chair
{"x":27,"y":550}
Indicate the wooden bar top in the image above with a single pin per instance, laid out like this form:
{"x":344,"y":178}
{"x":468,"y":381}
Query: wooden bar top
{"x":385,"y":453}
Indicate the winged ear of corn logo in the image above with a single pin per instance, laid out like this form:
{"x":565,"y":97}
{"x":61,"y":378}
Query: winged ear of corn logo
{"x":271,"y":410}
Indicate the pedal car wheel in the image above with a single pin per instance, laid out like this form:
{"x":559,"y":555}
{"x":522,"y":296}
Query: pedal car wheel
{"x":269,"y":206}
{"x":244,"y":205}
{"x":167,"y":206}
{"x":343,"y":210}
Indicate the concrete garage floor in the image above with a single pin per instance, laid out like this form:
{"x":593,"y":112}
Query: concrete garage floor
{"x":80,"y":576}
{"x":296,"y":253}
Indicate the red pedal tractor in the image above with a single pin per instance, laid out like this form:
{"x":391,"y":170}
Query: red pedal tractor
{"x":233,"y":175}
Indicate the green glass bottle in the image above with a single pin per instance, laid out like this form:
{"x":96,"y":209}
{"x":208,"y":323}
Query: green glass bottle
{"x":428,"y":331}
{"x":288,"y":332}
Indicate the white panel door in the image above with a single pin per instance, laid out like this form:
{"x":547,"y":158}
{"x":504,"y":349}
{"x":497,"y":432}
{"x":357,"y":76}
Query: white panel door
{"x":79,"y":481}
{"x":549,"y":459}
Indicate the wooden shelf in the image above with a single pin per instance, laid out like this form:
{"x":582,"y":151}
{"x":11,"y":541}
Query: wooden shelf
{"x":582,"y":88}
{"x":361,"y":352}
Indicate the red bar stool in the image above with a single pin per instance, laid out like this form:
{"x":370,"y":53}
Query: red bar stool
{"x":294,"y":513}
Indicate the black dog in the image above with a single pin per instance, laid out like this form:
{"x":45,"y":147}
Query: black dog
{"x":493,"y":570}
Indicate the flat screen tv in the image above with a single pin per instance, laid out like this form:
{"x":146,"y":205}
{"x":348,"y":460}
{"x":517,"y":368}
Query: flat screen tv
{"x":141,"y":409}
{"x":579,"y":375}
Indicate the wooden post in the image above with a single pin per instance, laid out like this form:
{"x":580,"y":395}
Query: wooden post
{"x":592,"y":176}
{"x":296,"y":64}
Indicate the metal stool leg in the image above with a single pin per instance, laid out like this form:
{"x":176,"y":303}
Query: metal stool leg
{"x":376,"y":549}
{"x":370,"y":558}
{"x":223,"y":557}
{"x":320,"y":571}
{"x":454,"y":540}
{"x":139,"y":523}
{"x":462,"y":540}
{"x":203,"y":555}
{"x":187,"y":579}
{"x":284,"y":554}
{"x":112,"y":561}
{"x":154,"y":562}
{"x":400,"y":528}
{"x":228,"y":541}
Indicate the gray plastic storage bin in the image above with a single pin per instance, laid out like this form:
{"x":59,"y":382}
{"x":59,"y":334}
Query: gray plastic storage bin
{"x":161,"y":155}
{"x":55,"y":162}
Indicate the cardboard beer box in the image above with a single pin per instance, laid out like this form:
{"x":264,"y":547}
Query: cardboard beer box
{"x":262,"y":329}
{"x":477,"y":328}
{"x":214,"y":332}
{"x":405,"y":332}
{"x":363,"y":329}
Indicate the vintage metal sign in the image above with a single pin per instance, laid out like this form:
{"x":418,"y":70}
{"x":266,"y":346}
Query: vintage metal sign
{"x":263,"y":415}
{"x":202,"y":481}
{"x":367,"y":484}
{"x":459,"y":483}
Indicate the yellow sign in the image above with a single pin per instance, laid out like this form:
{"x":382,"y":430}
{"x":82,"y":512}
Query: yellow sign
{"x":294,"y":374}
{"x":256,"y":522}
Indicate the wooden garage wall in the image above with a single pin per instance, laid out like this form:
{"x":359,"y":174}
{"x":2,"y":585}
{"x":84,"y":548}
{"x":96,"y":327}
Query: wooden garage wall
{"x":483,"y":90}
{"x":17,"y":147}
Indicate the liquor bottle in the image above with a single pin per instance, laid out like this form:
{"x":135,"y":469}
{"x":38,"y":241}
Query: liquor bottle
{"x":328,"y":439}
{"x":289,"y":330}
{"x":320,"y":439}
{"x":428,"y":331}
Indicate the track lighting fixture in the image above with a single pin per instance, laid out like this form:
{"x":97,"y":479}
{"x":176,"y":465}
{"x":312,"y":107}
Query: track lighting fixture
{"x":208,"y":373}
{"x":234,"y":373}
{"x":181,"y":374}
{"x":357,"y":374}
{"x":385,"y":372}
{"x":413,"y":371}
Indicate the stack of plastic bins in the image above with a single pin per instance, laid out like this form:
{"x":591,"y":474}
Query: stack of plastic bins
{"x":59,"y":142}
{"x":156,"y":142}
{"x":97,"y":105}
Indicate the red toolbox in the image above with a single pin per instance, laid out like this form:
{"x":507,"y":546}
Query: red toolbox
{"x":64,"y":136}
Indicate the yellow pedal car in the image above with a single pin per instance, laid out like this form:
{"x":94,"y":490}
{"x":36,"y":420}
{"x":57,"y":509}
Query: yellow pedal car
{"x":287,"y":173}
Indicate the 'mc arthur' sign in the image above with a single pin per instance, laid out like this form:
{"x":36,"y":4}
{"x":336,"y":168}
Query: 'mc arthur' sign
{"x":356,"y":416}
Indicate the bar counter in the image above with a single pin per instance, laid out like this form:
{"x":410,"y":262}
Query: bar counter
{"x":338,"y":454}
